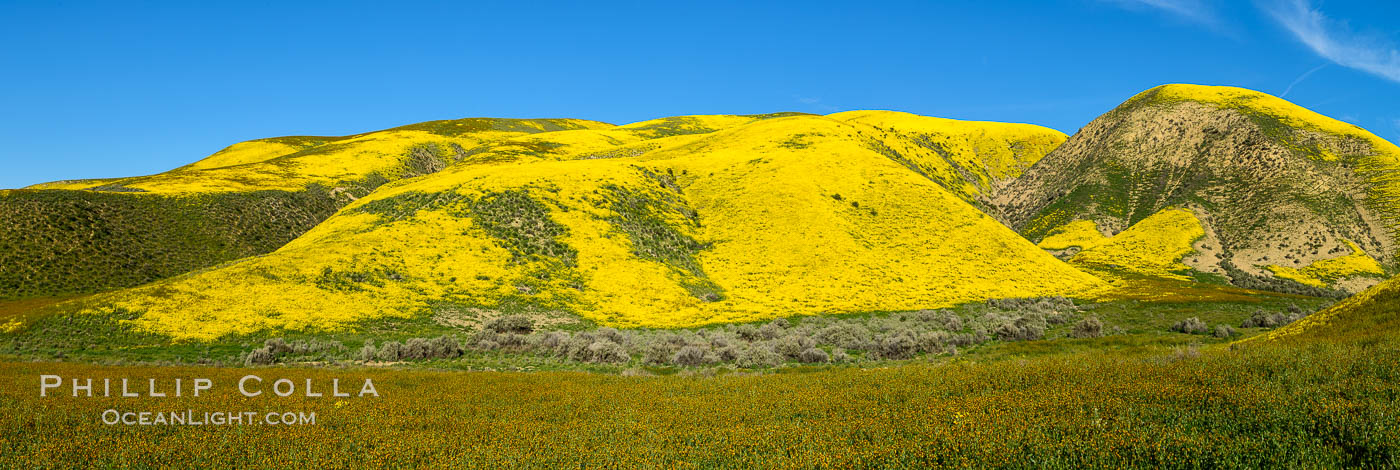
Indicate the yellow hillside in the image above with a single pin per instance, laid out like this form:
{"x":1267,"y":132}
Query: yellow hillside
{"x":763,"y":218}
{"x":292,"y":163}
{"x":1371,"y":313}
{"x":1326,"y":271}
{"x":970,"y":158}
{"x":1152,"y":247}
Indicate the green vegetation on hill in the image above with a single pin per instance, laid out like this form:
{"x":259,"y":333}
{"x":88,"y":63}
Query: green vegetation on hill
{"x":61,"y":242}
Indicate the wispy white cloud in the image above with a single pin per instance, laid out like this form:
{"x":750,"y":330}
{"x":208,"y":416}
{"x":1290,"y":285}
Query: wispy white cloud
{"x":815,"y":103}
{"x":1300,"y":79}
{"x":1335,"y":41}
{"x":1196,"y":11}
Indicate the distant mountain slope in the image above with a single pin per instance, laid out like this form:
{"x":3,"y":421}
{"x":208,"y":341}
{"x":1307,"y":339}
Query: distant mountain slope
{"x":773,"y":217}
{"x":1287,"y":199}
{"x":75,"y":237}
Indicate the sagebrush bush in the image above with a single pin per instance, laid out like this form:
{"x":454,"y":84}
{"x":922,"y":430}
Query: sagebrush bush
{"x":659,"y":352}
{"x":845,"y":335}
{"x":941,"y":318}
{"x":935,"y":342}
{"x":277,"y":346}
{"x":747,"y":332}
{"x":1193,"y":326}
{"x":314,"y":346}
{"x":1257,"y":320}
{"x":607,"y":352}
{"x":813,"y":355}
{"x":728,"y":353}
{"x":390,"y":351}
{"x":771,"y":330}
{"x":444,"y":347}
{"x":610,"y":334}
{"x":1026,"y":328}
{"x":260,"y":356}
{"x":758,"y":355}
{"x":550,"y":342}
{"x":792,"y":345}
{"x":691,"y":356}
{"x":511,"y":324}
{"x":900,"y":345}
{"x":368,"y":351}
{"x":575,"y":347}
{"x":1089,"y":327}
{"x":512,"y":340}
{"x":414,"y":348}
{"x":1224,"y":331}
{"x":840,"y":355}
{"x":722,"y":340}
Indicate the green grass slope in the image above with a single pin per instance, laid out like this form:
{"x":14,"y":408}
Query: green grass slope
{"x":63,"y":242}
{"x":1286,"y":199}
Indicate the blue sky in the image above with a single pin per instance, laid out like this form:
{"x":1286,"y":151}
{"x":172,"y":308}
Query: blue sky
{"x":101,"y":90}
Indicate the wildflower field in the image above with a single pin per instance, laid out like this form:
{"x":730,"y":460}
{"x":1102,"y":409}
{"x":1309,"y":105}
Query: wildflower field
{"x":864,"y":289}
{"x":1276,"y":405}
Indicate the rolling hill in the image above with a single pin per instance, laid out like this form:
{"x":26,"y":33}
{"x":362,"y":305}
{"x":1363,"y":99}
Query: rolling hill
{"x":670,"y":223}
{"x":1262,"y":193}
{"x":82,"y":236}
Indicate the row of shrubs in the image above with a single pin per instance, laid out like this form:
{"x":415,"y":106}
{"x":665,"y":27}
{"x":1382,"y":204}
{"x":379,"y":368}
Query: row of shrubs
{"x":811,"y":340}
{"x":1260,"y":319}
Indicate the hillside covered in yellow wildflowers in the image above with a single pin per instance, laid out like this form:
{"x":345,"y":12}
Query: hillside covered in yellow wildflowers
{"x":1267,"y":194}
{"x":689,"y":221}
{"x":672,"y":223}
{"x":82,"y":236}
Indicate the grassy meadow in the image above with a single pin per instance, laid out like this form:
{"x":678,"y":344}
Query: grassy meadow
{"x":1321,"y":404}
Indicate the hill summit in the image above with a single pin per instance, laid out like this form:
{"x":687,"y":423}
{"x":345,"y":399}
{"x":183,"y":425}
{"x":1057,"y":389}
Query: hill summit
{"x":1263,"y":193}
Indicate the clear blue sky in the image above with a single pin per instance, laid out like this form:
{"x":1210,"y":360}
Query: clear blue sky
{"x":100,"y":90}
